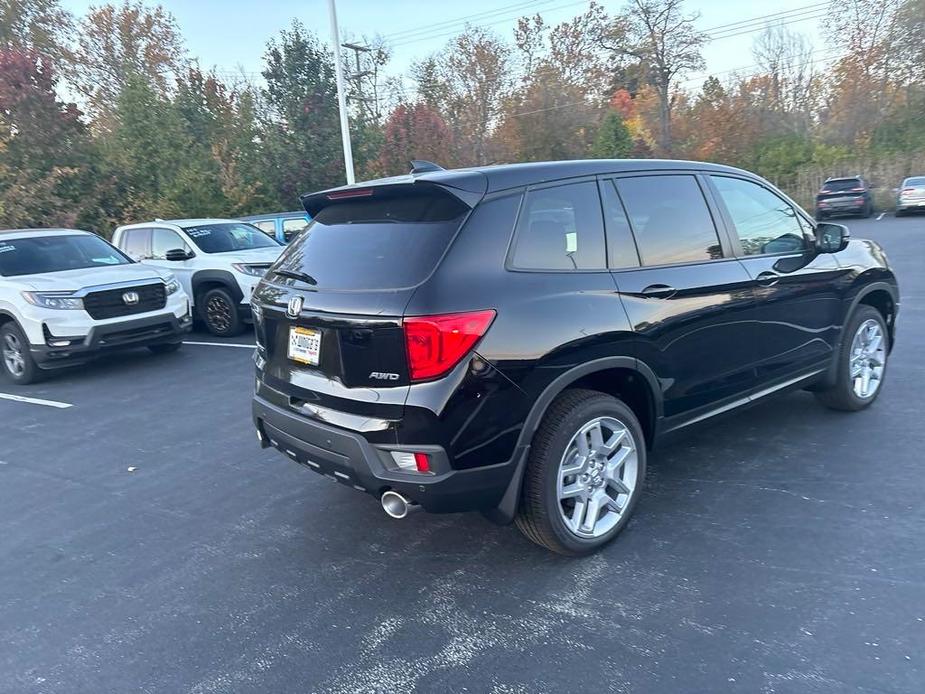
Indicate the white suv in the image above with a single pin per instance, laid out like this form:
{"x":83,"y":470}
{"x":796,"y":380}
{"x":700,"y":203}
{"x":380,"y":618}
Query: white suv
{"x":218,"y":263}
{"x":67,"y":295}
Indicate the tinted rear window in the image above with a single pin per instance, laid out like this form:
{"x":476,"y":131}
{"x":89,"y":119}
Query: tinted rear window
{"x":36,"y":255}
{"x":388,"y":241}
{"x":919,"y":181}
{"x":843,"y":184}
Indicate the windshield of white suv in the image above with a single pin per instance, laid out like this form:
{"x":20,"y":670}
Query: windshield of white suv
{"x":228,"y":236}
{"x":39,"y":254}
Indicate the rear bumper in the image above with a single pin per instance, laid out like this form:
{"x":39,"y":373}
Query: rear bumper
{"x":160,"y":329}
{"x":349,"y":458}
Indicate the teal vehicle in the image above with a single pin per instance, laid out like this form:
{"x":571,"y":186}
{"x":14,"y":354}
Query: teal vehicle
{"x":282,"y":226}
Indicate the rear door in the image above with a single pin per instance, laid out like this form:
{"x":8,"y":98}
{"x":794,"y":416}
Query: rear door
{"x":797,"y":307}
{"x":685,"y":295}
{"x":331,"y":307}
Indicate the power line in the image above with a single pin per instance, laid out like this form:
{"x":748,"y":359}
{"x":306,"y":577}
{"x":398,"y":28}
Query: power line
{"x":406,"y":33}
{"x":759,"y":27}
{"x":503,"y":20}
{"x":767,"y":17}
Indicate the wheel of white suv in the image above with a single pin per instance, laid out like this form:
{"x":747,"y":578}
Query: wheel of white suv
{"x":585,"y":473}
{"x":17,"y":362}
{"x":220,"y":314}
{"x":861,"y":362}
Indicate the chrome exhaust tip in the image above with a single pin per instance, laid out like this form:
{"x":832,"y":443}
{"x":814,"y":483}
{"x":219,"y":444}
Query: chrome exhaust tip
{"x":397,"y":506}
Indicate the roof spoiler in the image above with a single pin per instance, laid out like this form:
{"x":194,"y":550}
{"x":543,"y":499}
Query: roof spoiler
{"x":468,"y":187}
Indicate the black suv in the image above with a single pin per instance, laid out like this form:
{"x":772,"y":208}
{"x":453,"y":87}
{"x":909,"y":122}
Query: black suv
{"x":844,"y":196}
{"x":513,"y":339}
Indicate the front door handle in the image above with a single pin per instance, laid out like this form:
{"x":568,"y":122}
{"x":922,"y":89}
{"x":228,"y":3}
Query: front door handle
{"x":659,"y":291}
{"x":767,"y":278}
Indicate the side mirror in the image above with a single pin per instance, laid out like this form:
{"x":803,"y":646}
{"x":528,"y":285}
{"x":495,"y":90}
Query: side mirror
{"x":177,"y":254}
{"x":831,"y":238}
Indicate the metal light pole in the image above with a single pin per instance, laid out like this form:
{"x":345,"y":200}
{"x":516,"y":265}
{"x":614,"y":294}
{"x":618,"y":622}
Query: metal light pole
{"x":341,"y":96}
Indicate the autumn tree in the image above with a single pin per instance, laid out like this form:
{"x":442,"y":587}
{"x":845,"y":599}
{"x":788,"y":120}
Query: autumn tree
{"x":554,"y":111}
{"x":661,"y":38}
{"x":414,"y":131}
{"x":118,"y":43}
{"x":466,"y":84}
{"x":39,"y":26}
{"x":864,"y":85}
{"x":42,"y":145}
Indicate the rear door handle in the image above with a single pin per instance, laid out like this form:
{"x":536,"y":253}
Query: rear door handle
{"x":659,"y":291}
{"x":767,"y":278}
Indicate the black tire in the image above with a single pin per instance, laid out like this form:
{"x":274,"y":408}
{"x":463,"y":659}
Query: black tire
{"x":539,"y":517}
{"x":220,"y":313}
{"x":841,"y":395}
{"x":165,"y":347}
{"x":13,"y":340}
{"x":899,"y":213}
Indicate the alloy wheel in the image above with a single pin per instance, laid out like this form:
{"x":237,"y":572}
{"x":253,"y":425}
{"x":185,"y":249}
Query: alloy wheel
{"x":13,"y":356}
{"x":868,"y":359}
{"x":597,"y":476}
{"x":218,"y":314}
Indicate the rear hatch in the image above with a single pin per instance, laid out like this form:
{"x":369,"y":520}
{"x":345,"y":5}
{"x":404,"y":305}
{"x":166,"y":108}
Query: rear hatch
{"x":913,"y":190}
{"x":842,"y":192}
{"x":331,"y":308}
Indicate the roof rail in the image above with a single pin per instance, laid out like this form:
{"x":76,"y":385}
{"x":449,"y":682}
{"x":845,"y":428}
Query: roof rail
{"x":422,"y":166}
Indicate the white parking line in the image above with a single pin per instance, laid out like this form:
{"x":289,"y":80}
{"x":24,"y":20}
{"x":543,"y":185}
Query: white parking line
{"x":219,"y":344}
{"x":882,"y":215}
{"x":35,"y":401}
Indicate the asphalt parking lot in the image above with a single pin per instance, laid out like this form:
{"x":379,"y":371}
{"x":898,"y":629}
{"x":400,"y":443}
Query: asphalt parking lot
{"x":148,"y":544}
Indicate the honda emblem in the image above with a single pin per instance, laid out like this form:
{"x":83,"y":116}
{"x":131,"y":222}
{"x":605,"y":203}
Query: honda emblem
{"x":295,"y":307}
{"x":130,"y":298}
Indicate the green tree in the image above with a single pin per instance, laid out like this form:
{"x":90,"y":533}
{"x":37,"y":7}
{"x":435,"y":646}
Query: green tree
{"x":300,"y":129}
{"x":613,"y":139}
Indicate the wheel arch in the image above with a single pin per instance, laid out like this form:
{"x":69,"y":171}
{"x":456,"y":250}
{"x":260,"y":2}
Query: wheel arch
{"x":626,"y":377}
{"x":882,"y":296}
{"x":204,"y":280}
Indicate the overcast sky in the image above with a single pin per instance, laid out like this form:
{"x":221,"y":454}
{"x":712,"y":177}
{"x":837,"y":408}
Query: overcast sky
{"x":231,"y":34}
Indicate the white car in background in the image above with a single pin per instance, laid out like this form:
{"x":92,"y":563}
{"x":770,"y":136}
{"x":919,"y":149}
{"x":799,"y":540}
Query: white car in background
{"x":66,"y":296}
{"x":217,"y":261}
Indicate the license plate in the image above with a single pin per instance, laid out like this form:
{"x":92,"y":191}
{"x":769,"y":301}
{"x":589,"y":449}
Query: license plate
{"x":304,"y":345}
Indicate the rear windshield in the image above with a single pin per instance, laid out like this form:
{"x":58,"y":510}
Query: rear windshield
{"x":387,"y":241}
{"x":841,"y":185}
{"x":226,"y":237}
{"x":917,"y":181}
{"x":36,"y":255}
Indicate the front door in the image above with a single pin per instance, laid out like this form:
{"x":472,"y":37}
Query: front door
{"x":797,"y":307}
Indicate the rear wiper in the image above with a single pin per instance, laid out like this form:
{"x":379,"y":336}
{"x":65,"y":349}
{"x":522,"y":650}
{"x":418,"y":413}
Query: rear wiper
{"x":301,"y":276}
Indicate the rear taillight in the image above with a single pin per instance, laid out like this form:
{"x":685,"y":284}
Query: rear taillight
{"x":435,"y":344}
{"x":908,"y":190}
